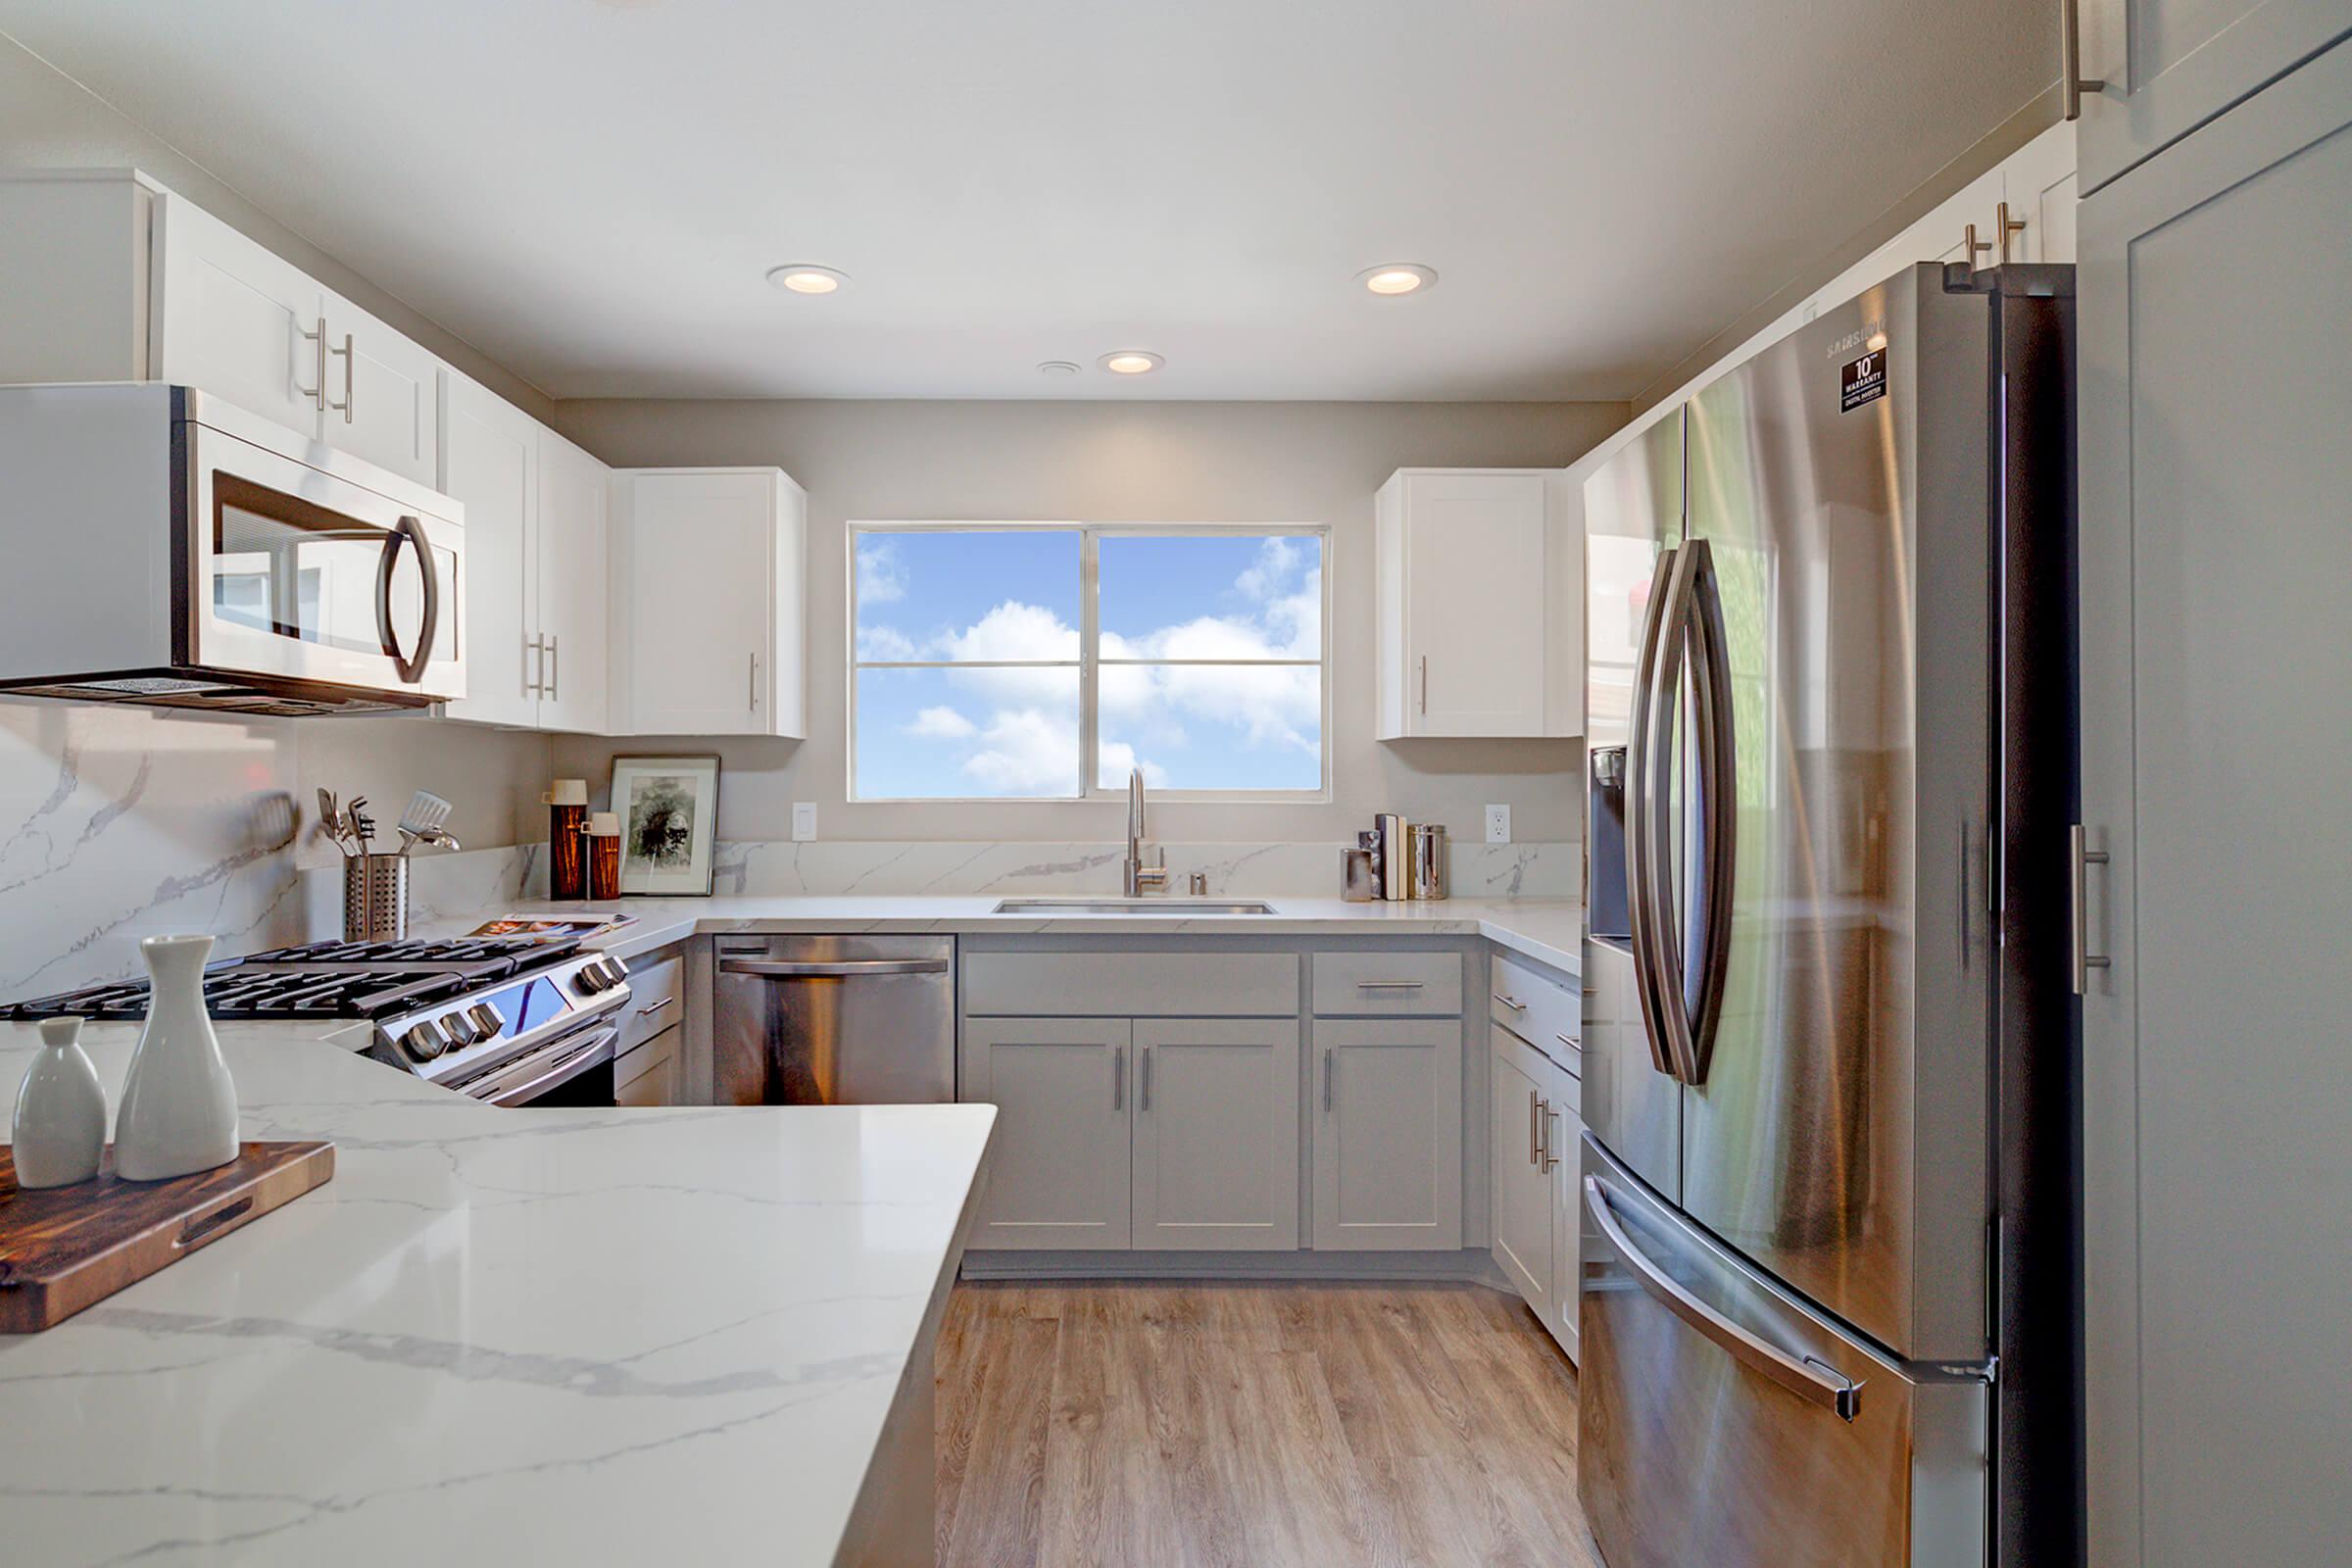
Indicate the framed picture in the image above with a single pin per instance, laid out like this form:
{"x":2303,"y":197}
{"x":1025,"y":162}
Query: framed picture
{"x":668,"y":809}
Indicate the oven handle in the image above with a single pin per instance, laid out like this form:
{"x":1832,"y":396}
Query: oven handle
{"x":830,"y":969}
{"x":409,"y":670}
{"x":594,"y":1054}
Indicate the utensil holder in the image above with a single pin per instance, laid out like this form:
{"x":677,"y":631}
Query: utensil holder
{"x":375,"y":898}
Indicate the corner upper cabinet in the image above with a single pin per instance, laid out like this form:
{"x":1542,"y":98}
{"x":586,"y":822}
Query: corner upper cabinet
{"x":710,"y":584}
{"x":1479,"y":601}
{"x":537,"y":615}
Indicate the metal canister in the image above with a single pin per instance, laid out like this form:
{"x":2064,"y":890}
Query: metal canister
{"x":1395,"y":858}
{"x":1429,"y":861}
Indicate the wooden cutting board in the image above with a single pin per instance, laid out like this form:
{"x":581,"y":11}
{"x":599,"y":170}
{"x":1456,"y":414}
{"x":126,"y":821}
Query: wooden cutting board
{"x":62,"y":1248}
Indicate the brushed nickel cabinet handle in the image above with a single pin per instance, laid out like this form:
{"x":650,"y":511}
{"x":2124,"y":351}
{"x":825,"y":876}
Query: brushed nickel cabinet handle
{"x":1535,"y":1112}
{"x":1119,"y":1077}
{"x":1972,"y":245}
{"x":1143,"y":1100}
{"x":1512,"y":1003}
{"x":1327,"y":1080}
{"x":1551,"y":1127}
{"x":751,"y":691}
{"x":1425,"y":683}
{"x":318,"y":339}
{"x":345,"y":351}
{"x":2084,"y":858}
{"x":555,"y":667}
{"x":2071,"y":83}
{"x":2008,"y":227}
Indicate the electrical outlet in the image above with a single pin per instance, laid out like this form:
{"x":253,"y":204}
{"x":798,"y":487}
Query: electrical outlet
{"x":1498,"y":824}
{"x":804,"y":821}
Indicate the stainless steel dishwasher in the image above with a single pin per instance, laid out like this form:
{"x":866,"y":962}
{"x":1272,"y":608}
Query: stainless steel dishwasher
{"x":834,"y":1020}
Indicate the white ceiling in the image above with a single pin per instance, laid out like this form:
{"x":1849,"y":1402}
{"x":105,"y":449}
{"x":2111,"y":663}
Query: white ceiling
{"x":591,"y":190}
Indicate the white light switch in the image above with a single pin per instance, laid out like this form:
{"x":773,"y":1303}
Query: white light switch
{"x":1498,"y":824}
{"x":804,"y":821}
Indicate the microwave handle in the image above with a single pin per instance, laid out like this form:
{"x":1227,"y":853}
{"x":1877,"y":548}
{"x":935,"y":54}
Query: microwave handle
{"x":411,"y":669}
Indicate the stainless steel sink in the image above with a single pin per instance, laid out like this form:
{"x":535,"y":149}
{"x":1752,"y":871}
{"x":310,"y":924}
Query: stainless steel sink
{"x":1132,"y":906}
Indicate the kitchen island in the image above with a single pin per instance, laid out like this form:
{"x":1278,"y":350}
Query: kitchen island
{"x":687,"y":1335}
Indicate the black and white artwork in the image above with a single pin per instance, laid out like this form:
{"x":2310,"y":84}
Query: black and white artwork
{"x":669,"y":808}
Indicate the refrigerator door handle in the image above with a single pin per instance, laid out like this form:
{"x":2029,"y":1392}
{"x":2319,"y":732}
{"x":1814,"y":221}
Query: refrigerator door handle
{"x":1809,"y":1378}
{"x":1692,"y":625}
{"x":1641,"y":918}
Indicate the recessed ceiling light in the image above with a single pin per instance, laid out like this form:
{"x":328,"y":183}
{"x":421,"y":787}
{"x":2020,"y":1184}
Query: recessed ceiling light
{"x":1131,"y":362}
{"x":1397,"y":277}
{"x":802,"y":278}
{"x":1058,"y":368}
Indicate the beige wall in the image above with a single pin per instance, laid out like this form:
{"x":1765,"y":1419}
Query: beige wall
{"x":49,"y":120}
{"x":1112,"y":462}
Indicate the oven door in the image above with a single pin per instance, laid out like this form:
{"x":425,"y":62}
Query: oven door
{"x":575,"y":1069}
{"x":298,"y":573}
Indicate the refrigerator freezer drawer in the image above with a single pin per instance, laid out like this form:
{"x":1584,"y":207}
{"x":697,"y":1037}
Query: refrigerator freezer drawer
{"x":1721,"y":1422}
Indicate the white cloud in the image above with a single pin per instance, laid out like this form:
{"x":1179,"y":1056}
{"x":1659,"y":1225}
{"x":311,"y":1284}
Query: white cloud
{"x":943,"y":723}
{"x":1026,"y":751}
{"x":1011,"y":630}
{"x":884,"y":643}
{"x":881,"y":576}
{"x":1277,"y":558}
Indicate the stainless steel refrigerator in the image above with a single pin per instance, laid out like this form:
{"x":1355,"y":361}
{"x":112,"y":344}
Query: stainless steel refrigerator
{"x":1830,"y":1310}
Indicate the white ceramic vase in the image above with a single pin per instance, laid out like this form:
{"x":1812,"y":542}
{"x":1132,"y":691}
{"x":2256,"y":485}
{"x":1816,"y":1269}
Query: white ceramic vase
{"x":60,"y":1128}
{"x":179,"y":1106}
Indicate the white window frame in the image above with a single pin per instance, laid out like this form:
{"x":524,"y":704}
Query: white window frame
{"x":1088,"y":661}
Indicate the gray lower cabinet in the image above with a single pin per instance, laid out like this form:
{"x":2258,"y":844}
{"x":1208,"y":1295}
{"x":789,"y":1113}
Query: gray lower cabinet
{"x":1518,"y":1083}
{"x":1387,"y":1133}
{"x":1216,"y":1133}
{"x":1059,"y":1163}
{"x":2216,"y":541}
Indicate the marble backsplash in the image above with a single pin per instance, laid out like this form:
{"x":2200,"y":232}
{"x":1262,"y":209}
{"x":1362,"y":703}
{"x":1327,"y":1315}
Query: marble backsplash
{"x":1266,"y":871}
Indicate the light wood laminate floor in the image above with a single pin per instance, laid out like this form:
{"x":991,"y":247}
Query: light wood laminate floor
{"x":1183,"y":1424}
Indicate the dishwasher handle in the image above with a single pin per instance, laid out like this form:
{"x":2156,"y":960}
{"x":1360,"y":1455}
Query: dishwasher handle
{"x":830,"y":969}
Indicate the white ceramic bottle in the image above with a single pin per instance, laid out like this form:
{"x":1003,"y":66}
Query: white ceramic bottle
{"x":60,"y":1129}
{"x":179,"y":1108}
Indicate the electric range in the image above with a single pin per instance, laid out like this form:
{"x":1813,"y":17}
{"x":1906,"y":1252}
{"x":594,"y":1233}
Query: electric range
{"x":506,"y":1019}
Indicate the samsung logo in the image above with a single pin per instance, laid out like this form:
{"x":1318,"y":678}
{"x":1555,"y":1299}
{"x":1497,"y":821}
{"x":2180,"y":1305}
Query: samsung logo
{"x":1854,"y":340}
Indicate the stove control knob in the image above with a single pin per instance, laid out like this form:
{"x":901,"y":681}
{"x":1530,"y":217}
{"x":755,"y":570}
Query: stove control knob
{"x":459,"y":1028}
{"x":486,"y":1019}
{"x":615,"y":970}
{"x":591,"y":977}
{"x":426,"y":1041}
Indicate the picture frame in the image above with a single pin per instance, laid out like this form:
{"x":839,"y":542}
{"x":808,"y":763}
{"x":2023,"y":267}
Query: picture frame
{"x":669,"y":811}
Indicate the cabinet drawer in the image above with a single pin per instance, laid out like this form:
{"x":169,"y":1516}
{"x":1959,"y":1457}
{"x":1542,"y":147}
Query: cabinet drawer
{"x":1380,"y":983}
{"x":1543,"y":1011}
{"x":657,"y":999}
{"x":648,"y":1074}
{"x":1131,"y":985}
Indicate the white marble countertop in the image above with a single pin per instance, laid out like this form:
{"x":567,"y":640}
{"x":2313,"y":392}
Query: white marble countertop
{"x":497,"y":1336}
{"x":1550,"y":931}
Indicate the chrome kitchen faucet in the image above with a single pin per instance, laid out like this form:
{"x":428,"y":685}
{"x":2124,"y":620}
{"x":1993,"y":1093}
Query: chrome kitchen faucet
{"x":1135,"y":876}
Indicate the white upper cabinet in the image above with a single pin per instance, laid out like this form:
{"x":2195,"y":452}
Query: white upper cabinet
{"x":2169,"y":66}
{"x":709,"y":570}
{"x":1479,"y":593}
{"x":107,"y":277}
{"x":537,"y":540}
{"x":383,"y":393}
{"x":573,"y":552}
{"x":235,"y":320}
{"x":490,"y":462}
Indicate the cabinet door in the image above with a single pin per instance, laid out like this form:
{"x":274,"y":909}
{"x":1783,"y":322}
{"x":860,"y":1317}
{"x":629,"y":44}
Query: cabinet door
{"x":1562,"y":1132}
{"x":1474,"y":591}
{"x":648,"y":1074}
{"x":2216,"y":361}
{"x":383,"y":394}
{"x":2171,"y":65}
{"x":235,"y":319}
{"x":1387,"y":1133}
{"x":697,"y":575}
{"x":1216,"y":1133}
{"x":574,"y":585}
{"x":1521,"y":1186}
{"x":490,"y":463}
{"x":1059,"y":1165}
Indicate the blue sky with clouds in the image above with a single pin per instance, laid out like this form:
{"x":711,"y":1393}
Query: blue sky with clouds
{"x":1013,"y":595}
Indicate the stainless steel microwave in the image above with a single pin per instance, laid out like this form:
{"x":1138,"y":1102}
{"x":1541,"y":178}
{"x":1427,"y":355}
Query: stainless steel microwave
{"x":166,"y":547}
